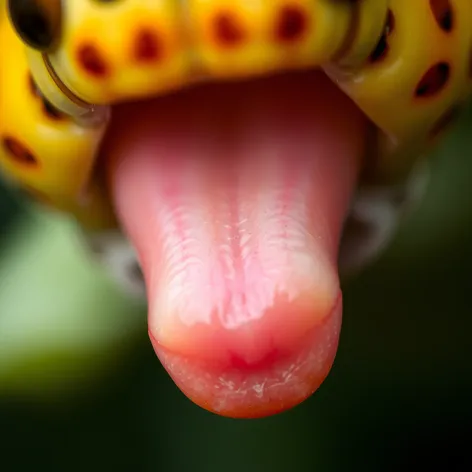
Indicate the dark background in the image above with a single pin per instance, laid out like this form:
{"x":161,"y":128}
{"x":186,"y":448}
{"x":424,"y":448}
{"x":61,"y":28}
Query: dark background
{"x":81,"y":389}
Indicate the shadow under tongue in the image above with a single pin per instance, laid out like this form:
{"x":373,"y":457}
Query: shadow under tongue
{"x":234,"y":196}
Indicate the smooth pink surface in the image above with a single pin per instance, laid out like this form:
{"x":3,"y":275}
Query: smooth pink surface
{"x":235,"y":196}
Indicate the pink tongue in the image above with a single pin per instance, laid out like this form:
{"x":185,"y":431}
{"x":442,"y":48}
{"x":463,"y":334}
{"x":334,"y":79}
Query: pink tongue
{"x":234,"y":197}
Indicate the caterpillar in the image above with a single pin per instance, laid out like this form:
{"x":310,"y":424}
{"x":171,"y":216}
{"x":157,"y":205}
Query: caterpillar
{"x":407,"y":64}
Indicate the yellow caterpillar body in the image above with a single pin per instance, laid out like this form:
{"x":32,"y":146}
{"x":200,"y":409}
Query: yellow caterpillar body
{"x":406,"y":63}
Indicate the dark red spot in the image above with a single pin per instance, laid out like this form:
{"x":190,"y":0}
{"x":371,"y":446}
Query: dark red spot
{"x":147,"y":47}
{"x":434,"y":80}
{"x":92,"y":61}
{"x":382,"y":49}
{"x":442,"y":11}
{"x":292,"y":23}
{"x":228,"y":31}
{"x":18,"y":152}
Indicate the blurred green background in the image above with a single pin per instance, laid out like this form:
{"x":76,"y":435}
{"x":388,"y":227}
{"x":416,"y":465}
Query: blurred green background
{"x":81,"y":389}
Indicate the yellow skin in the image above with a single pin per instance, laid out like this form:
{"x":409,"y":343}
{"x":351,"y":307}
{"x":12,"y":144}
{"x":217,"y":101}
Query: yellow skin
{"x":406,"y":63}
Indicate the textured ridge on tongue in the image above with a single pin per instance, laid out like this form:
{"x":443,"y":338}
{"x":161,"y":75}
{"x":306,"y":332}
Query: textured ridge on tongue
{"x":235,"y":197}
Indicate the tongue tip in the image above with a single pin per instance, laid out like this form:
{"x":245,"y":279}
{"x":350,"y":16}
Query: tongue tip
{"x":275,"y":384}
{"x":240,"y":197}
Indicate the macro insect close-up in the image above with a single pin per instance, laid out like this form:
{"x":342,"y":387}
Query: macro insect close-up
{"x":230,"y":164}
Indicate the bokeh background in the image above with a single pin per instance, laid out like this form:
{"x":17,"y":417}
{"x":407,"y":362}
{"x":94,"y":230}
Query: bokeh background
{"x":81,"y":389}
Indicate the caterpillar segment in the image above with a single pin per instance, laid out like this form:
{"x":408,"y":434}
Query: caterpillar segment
{"x":149,"y":47}
{"x":406,"y":64}
{"x":44,"y":150}
{"x":415,"y":82}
